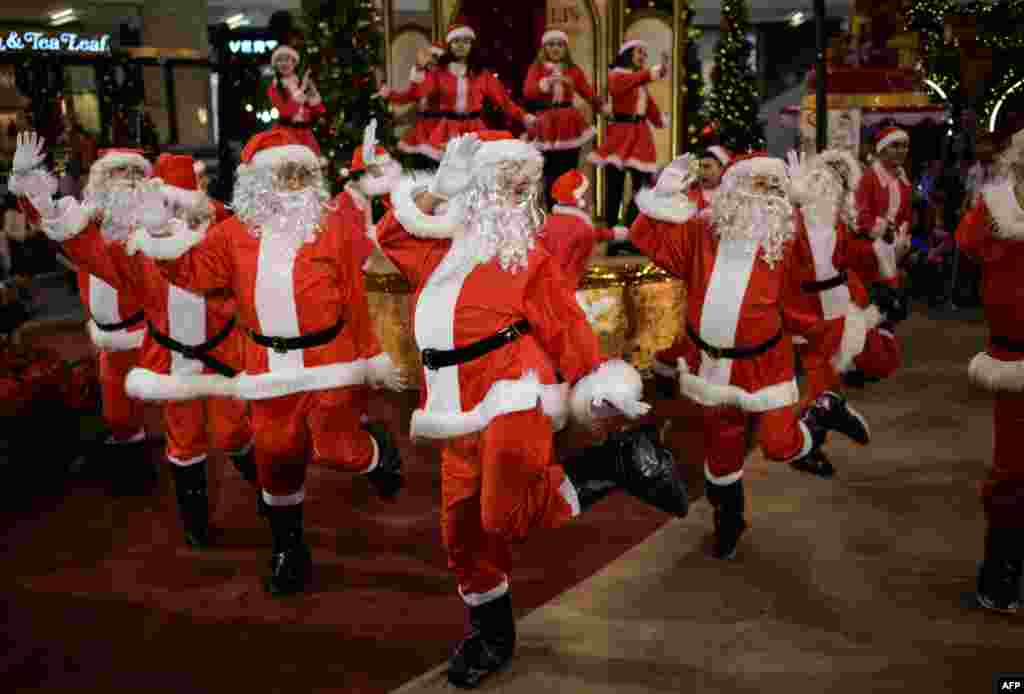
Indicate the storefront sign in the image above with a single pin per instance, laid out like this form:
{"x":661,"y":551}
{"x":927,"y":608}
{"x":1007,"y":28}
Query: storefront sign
{"x":64,"y":42}
{"x":569,"y":16}
{"x":252,"y":47}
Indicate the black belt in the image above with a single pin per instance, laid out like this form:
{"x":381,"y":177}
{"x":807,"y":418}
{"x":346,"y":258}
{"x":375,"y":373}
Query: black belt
{"x":281,"y":345}
{"x":198,"y":352}
{"x":823,"y":285}
{"x":544,"y":106}
{"x":431,"y":114}
{"x":732,"y":352}
{"x":126,"y":323}
{"x":435,"y":359}
{"x":288,"y":122}
{"x":451,"y":115}
{"x":1006,"y":343}
{"x":627,"y":119}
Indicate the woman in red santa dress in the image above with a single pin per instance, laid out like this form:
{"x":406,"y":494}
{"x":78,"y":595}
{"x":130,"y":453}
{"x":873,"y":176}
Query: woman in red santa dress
{"x":298,"y":102}
{"x":738,"y":265}
{"x":552,"y":83}
{"x":493,"y":314}
{"x":309,"y":340}
{"x":629,"y":147}
{"x":117,"y":324}
{"x":992,"y":235}
{"x":460,"y":87}
{"x":416,"y":141}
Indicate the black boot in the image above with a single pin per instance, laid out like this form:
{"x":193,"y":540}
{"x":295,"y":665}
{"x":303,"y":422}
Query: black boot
{"x":635,"y":461}
{"x":727,"y":501}
{"x":387,"y":476}
{"x":245,"y":463}
{"x":999,"y":579}
{"x":831,"y":412}
{"x":193,"y":503}
{"x":489,"y":645}
{"x":815,"y":463}
{"x":133,"y":472}
{"x":291,"y":563}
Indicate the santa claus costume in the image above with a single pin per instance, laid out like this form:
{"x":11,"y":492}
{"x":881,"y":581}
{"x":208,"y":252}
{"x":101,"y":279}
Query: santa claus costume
{"x":738,"y":266}
{"x":552,"y":83}
{"x":492,"y":314}
{"x":415,"y":142}
{"x":992,"y":235}
{"x":460,"y":87}
{"x":295,"y":97}
{"x":629,"y":146}
{"x":116,"y":322}
{"x":302,"y":307}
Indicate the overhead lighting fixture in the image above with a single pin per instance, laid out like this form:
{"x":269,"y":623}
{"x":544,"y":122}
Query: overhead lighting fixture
{"x":797,"y":18}
{"x":63,"y":17}
{"x":237,"y":20}
{"x":999,"y":105}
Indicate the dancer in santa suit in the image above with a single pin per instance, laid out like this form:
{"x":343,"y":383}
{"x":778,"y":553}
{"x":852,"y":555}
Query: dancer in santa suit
{"x":416,"y":141}
{"x":493,"y":313}
{"x":992,"y":235}
{"x":302,"y":307}
{"x":738,"y":264}
{"x":629,"y":147}
{"x":221,"y":211}
{"x":117,"y":324}
{"x":460,"y":87}
{"x":298,"y":102}
{"x":552,"y":83}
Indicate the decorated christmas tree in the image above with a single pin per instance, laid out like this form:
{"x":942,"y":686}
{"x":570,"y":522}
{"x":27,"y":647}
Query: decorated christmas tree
{"x":733,"y":102}
{"x":344,"y":46}
{"x":697,"y":128}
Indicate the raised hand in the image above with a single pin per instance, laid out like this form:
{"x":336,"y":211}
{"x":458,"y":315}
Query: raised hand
{"x":677,"y":176}
{"x":370,"y":143}
{"x":456,"y":170}
{"x":29,"y":153}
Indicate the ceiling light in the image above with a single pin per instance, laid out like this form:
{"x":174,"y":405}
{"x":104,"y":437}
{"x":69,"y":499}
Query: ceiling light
{"x":60,"y":15}
{"x":797,"y":18}
{"x":63,"y":17}
{"x":66,"y":20}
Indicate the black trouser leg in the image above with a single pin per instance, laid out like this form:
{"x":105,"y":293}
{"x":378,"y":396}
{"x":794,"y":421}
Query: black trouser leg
{"x":615,"y":178}
{"x":637,"y":180}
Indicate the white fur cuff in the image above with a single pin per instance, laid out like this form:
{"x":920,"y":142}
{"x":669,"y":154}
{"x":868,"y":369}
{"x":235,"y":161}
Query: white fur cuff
{"x":709,"y":394}
{"x":612,"y":378}
{"x":165,"y":247}
{"x":675,"y":209}
{"x":412,"y":218}
{"x":71,"y":220}
{"x":886,"y":255}
{"x":996,"y":375}
{"x":856,"y":325}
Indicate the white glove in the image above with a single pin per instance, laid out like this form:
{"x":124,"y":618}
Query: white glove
{"x":29,"y":153}
{"x":456,"y":170}
{"x":381,"y":372}
{"x":370,"y":143}
{"x":154,"y":210}
{"x":677,"y":176}
{"x":797,"y":169}
{"x":530,"y":120}
{"x":615,"y":405}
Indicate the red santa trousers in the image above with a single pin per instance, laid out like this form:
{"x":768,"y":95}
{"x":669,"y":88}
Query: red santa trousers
{"x":880,"y":358}
{"x":194,"y":426}
{"x":730,"y":434}
{"x":1003,"y":492}
{"x":293,"y":429}
{"x":496,"y":486}
{"x":123,"y":415}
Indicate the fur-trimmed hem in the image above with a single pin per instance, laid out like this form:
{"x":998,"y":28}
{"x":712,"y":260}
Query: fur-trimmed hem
{"x":144,"y":384}
{"x":478,"y":599}
{"x":612,"y":376}
{"x":708,"y":394}
{"x":297,"y":154}
{"x":503,"y":397}
{"x":164,"y":247}
{"x":115,"y":340}
{"x":276,"y":384}
{"x":612,"y":160}
{"x":675,"y":209}
{"x":857,"y":323}
{"x":996,"y":375}
{"x":412,"y":218}
{"x":558,"y":145}
{"x":71,"y":220}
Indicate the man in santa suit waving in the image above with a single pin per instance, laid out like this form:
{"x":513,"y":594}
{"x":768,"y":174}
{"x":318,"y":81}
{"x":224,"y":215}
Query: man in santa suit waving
{"x":494,"y":317}
{"x":738,"y":265}
{"x":302,"y":306}
{"x":992,"y":235}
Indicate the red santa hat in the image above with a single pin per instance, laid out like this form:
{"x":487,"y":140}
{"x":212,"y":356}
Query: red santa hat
{"x":631,"y":44}
{"x":178,"y":174}
{"x":721,"y":154}
{"x":438,"y":48}
{"x":272,"y":147}
{"x":554,"y":35}
{"x":890,"y":136}
{"x":283,"y":50}
{"x":570,"y":188}
{"x":501,"y":145}
{"x":459,"y":30}
{"x":115,"y":157}
{"x":381,"y":156}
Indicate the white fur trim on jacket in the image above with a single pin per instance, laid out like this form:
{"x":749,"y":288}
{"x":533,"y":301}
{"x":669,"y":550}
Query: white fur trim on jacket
{"x":295,"y":154}
{"x":381,"y":372}
{"x":72,"y":218}
{"x":665,"y":208}
{"x":1008,"y":218}
{"x":115,"y":340}
{"x":856,"y":325}
{"x":413,"y":219}
{"x":996,"y":375}
{"x":503,"y":397}
{"x":613,"y":377}
{"x":144,"y":384}
{"x":164,"y":247}
{"x":709,"y":394}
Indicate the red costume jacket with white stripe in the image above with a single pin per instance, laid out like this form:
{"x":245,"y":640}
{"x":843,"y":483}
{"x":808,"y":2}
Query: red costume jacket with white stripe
{"x":295,"y":116}
{"x":416,"y":140}
{"x":630,"y":145}
{"x":559,"y":127}
{"x":569,"y":236}
{"x":882,"y":199}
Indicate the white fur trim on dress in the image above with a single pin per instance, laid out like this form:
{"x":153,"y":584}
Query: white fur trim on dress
{"x":617,"y":161}
{"x":709,"y":394}
{"x":856,"y":325}
{"x":164,"y":247}
{"x":295,"y":154}
{"x":665,"y":208}
{"x":985,"y":371}
{"x":575,"y":143}
{"x":72,"y":218}
{"x":462,"y":32}
{"x":573,"y":212}
{"x":478,"y":599}
{"x":1007,"y":216}
{"x":115,"y":340}
{"x":413,"y":219}
{"x":554,"y":35}
{"x":613,"y":377}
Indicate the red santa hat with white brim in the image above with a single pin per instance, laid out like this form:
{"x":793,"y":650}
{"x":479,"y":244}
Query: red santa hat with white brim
{"x":756,"y":164}
{"x":273,"y":147}
{"x":501,"y":145}
{"x":284,"y":50}
{"x":554,"y":35}
{"x":459,"y":31}
{"x":438,"y":49}
{"x":719,"y":153}
{"x":891,"y":136}
{"x":120,"y":156}
{"x":631,"y":44}
{"x":177,"y":172}
{"x":570,"y":189}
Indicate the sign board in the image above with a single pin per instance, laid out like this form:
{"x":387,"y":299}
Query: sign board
{"x":252,"y":46}
{"x":55,"y":42}
{"x":570,"y":16}
{"x":843,"y":130}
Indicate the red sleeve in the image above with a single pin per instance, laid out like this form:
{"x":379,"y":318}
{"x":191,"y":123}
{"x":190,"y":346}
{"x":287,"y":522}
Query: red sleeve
{"x":868,"y":219}
{"x":974,"y":234}
{"x":583,"y":87}
{"x":559,"y":324}
{"x":286,"y":106}
{"x":427,"y":88}
{"x":220,"y":211}
{"x":620,"y":82}
{"x":497,"y":94}
{"x":404,"y":96}
{"x":799,"y":309}
{"x":670,"y":246}
{"x":90,"y":252}
{"x":654,"y":113}
{"x":207,"y":266}
{"x":356,"y":305}
{"x":531,"y":87}
{"x":409,"y":254}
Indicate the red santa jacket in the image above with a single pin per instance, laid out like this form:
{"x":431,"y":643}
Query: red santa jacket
{"x":294,"y":116}
{"x":734,"y":299}
{"x":630,"y":144}
{"x":628,"y":91}
{"x":992,"y":235}
{"x":882,"y":199}
{"x":559,"y":125}
{"x":459,"y":302}
{"x":569,"y":236}
{"x":351,"y":203}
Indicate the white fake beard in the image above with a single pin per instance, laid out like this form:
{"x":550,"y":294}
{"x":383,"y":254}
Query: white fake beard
{"x":298,"y":221}
{"x":763,"y":221}
{"x":119,"y":202}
